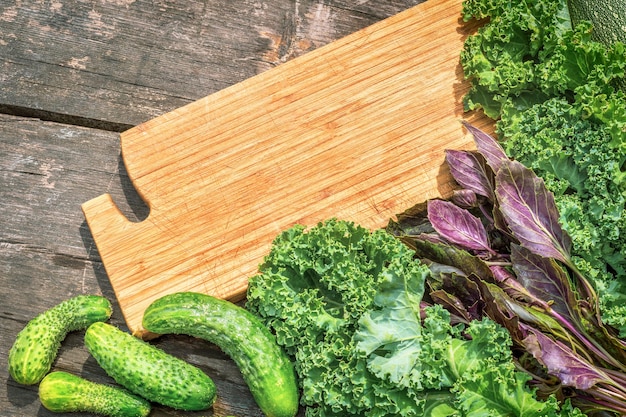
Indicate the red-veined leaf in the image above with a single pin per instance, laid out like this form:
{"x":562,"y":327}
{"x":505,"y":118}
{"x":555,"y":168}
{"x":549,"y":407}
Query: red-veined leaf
{"x":471,"y":171}
{"x":458,"y":225}
{"x":530,"y":212}
{"x":488,"y":147}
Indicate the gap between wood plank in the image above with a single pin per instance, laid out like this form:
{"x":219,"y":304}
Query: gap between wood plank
{"x":68,"y":119}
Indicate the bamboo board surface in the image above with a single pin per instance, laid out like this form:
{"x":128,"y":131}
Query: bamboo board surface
{"x":355,"y":130}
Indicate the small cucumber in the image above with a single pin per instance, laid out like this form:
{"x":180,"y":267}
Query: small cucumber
{"x":62,"y":392}
{"x":241,"y":335}
{"x":37,"y":344}
{"x":148,"y":371}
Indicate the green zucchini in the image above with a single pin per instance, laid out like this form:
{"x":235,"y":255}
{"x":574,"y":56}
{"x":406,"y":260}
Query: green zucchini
{"x":62,"y":392}
{"x":241,"y":335}
{"x":608,"y":18}
{"x":37,"y":344}
{"x":148,"y":371}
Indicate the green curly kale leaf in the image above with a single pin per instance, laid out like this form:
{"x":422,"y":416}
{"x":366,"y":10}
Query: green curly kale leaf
{"x":528,"y":52}
{"x":501,"y":59}
{"x":313,"y":289}
{"x":345,"y":303}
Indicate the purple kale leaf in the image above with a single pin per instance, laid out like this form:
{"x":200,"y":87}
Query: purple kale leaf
{"x":546,"y":280}
{"x":470,"y":171}
{"x":571,"y":368}
{"x":458,"y":226}
{"x":530,"y":212}
{"x":488,"y":147}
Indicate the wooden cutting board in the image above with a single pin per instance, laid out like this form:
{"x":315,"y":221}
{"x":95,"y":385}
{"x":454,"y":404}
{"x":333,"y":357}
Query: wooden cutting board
{"x":354,"y":130}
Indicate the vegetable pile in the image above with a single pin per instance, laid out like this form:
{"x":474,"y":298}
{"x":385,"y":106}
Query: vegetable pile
{"x":506,"y":299}
{"x":347,"y":305}
{"x":475,"y":307}
{"x":143,"y":373}
{"x":555,"y":93}
{"x":513,"y":301}
{"x":496,"y":249}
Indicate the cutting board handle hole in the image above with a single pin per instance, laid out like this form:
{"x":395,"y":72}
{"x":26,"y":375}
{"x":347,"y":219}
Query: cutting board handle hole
{"x":133,"y":206}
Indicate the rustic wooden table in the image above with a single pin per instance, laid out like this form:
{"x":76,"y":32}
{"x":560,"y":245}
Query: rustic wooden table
{"x":74,"y":74}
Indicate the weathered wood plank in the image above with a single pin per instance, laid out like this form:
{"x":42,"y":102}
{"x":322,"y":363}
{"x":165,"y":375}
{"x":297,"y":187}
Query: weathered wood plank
{"x":47,"y":254}
{"x":119,"y":63}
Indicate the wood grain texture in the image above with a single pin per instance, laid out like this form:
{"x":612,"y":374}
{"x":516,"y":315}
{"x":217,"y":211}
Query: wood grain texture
{"x":354,"y":130}
{"x":115,"y":64}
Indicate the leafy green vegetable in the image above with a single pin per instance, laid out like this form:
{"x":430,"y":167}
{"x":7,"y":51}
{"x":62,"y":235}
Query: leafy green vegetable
{"x":555,"y":94}
{"x":521,"y":276}
{"x":529,"y":52}
{"x":583,"y":165}
{"x":346,"y":304}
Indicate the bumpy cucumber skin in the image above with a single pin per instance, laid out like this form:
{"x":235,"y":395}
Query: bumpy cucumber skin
{"x":62,"y":392}
{"x":241,"y":335}
{"x":148,"y":371}
{"x":37,"y":344}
